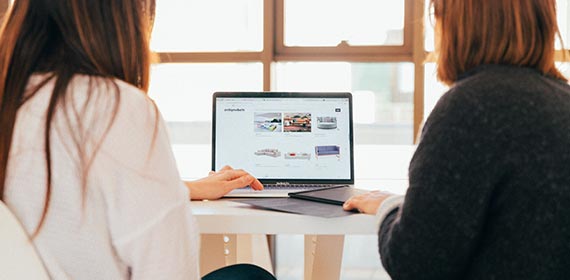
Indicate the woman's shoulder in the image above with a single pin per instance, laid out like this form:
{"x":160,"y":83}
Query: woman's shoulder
{"x":506,"y":82}
{"x":104,"y":87}
{"x":120,"y":105}
{"x":109,"y":100}
{"x":503,"y":98}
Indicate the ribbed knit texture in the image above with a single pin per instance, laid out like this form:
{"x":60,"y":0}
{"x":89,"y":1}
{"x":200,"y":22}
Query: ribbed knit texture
{"x":489,"y":193}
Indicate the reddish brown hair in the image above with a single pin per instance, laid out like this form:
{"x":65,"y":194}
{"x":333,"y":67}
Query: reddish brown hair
{"x":476,"y":32}
{"x":106,"y":39}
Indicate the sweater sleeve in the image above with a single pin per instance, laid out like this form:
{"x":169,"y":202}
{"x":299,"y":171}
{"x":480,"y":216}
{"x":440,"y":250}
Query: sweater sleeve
{"x":451,"y":179}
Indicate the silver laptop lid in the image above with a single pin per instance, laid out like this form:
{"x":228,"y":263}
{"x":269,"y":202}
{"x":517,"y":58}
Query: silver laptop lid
{"x":285,"y":138}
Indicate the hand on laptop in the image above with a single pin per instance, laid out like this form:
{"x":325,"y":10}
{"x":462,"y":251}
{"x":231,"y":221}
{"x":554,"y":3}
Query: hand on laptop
{"x":367,"y":203}
{"x":217,"y":184}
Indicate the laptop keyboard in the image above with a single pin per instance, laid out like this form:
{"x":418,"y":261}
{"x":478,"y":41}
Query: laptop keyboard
{"x":291,"y":187}
{"x":295,"y":186}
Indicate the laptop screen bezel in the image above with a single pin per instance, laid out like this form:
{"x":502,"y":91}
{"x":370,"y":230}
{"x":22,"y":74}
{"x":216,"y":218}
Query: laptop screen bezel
{"x":347,"y":95}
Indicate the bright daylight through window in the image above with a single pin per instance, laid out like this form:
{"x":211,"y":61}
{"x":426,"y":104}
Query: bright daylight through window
{"x":235,"y":45}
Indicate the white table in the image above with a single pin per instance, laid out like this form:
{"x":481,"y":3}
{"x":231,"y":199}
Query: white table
{"x":230,"y":229}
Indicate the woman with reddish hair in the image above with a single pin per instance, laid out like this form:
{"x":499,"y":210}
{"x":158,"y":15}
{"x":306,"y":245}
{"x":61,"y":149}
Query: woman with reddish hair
{"x":489,"y":186}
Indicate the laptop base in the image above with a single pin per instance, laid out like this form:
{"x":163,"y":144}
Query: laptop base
{"x":274,"y":190}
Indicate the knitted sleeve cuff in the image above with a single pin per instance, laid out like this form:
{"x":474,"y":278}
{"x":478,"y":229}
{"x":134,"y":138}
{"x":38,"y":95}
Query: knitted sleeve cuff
{"x":387,"y":206}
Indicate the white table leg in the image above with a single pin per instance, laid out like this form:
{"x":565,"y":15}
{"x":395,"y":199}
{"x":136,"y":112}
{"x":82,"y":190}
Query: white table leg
{"x":219,"y":250}
{"x":323,"y":256}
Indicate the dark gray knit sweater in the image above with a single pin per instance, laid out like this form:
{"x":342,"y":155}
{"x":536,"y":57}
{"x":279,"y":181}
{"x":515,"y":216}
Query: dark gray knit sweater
{"x":489,"y":194}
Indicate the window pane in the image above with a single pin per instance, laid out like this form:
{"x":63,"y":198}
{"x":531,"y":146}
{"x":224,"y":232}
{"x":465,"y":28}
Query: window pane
{"x":563,"y":24}
{"x":564,"y":68}
{"x":429,"y":30}
{"x":213,"y":25}
{"x":183,"y":93}
{"x":434,"y":89}
{"x":383,"y":94}
{"x":328,"y":22}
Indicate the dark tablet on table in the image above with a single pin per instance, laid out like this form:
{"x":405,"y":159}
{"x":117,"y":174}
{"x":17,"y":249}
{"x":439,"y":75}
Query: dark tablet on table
{"x":334,"y":195}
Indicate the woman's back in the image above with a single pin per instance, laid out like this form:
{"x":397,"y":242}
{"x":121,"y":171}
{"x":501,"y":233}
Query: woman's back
{"x":130,"y":212}
{"x":527,"y":225}
{"x":488,"y":183}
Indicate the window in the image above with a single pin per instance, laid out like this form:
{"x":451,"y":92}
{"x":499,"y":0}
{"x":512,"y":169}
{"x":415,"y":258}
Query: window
{"x":208,"y":26}
{"x":365,"y":47}
{"x":183,"y":93}
{"x":563,"y":8}
{"x":372,"y":48}
{"x":382,"y":94}
{"x":330,"y":23}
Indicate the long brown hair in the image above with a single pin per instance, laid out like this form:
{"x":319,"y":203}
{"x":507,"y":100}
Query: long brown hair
{"x":476,"y":32}
{"x":103,"y":39}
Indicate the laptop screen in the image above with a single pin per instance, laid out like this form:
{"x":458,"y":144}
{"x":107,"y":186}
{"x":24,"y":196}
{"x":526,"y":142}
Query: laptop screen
{"x":285,"y":136}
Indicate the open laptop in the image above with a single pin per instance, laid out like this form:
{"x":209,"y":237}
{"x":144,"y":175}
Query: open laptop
{"x":290,"y":141}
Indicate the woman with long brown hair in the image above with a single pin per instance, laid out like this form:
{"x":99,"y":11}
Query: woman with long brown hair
{"x":489,"y":187}
{"x":85,"y":161}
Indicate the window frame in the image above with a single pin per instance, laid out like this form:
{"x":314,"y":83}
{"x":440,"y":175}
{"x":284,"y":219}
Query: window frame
{"x":274,"y":50}
{"x":396,"y":53}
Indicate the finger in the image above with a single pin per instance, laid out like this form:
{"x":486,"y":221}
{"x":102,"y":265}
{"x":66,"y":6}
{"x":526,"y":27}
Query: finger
{"x":354,"y":202}
{"x":226,"y":168}
{"x":348,"y":205}
{"x":211,"y":173}
{"x":229,"y":175}
{"x":256,"y":185}
{"x":239,"y":182}
{"x":252,"y":182}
